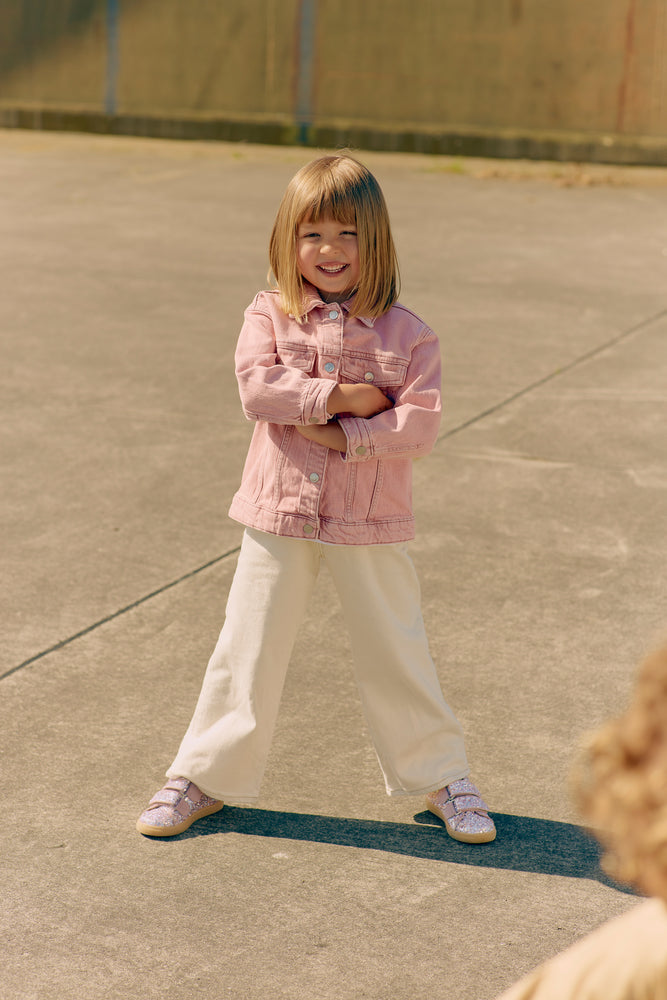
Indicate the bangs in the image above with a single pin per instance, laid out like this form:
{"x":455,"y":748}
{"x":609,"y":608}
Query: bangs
{"x":333,"y":187}
{"x":334,"y":202}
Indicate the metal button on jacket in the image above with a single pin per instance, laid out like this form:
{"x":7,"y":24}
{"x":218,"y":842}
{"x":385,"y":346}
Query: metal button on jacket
{"x":360,"y":450}
{"x":329,"y":366}
{"x":314,"y":478}
{"x":308,"y":529}
{"x":333,"y":314}
{"x":369,"y":376}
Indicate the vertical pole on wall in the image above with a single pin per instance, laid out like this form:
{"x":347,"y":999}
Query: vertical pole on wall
{"x":112,"y":56}
{"x":306,"y":58}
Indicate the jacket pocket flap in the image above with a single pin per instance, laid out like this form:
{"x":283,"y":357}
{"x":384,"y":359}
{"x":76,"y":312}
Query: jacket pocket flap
{"x":380,"y":371}
{"x":296,"y":356}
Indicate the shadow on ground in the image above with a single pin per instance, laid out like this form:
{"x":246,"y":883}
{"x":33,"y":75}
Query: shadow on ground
{"x":524,"y":843}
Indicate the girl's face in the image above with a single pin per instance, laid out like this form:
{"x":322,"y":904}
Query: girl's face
{"x":328,"y":257}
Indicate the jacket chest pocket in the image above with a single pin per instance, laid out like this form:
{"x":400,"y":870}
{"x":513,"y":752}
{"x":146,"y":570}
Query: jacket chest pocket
{"x":382,"y":371}
{"x":296,"y":356}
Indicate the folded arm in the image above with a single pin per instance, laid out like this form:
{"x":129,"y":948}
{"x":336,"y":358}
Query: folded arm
{"x":409,"y":428}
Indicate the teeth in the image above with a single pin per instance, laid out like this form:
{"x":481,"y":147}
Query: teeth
{"x":332,"y":270}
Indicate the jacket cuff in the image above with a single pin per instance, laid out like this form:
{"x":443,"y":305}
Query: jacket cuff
{"x":315,"y":402}
{"x":359,"y":440}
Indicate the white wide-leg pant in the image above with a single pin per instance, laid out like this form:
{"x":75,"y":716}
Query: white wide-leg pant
{"x":417,"y":738}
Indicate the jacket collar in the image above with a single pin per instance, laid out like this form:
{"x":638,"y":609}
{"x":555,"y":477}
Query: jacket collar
{"x":312,"y":301}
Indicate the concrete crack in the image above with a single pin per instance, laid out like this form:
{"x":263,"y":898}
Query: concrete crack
{"x":121,"y":611}
{"x":582,"y":359}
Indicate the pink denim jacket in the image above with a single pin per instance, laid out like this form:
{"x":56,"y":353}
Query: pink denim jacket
{"x":286,"y":371}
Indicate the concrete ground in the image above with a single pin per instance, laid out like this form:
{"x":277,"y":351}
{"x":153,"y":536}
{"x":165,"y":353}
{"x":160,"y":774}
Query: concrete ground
{"x":126,"y":266}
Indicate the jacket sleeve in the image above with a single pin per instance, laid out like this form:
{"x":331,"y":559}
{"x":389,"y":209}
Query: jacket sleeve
{"x":410,"y":428}
{"x":270,"y":390}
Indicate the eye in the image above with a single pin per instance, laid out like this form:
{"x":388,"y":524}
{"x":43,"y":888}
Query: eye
{"x":349,"y":232}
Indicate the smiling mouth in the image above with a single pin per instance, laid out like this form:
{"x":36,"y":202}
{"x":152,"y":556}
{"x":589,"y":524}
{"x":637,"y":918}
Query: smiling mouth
{"x":331,"y":269}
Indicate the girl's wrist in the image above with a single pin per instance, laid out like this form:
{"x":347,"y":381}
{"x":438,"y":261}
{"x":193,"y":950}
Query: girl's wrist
{"x":330,"y":435}
{"x":335,"y":400}
{"x":334,"y":436}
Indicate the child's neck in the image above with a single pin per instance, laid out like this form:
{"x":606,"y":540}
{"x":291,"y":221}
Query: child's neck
{"x":329,"y":297}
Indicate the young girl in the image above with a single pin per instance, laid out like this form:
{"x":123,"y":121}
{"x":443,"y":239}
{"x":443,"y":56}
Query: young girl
{"x":344,"y":387}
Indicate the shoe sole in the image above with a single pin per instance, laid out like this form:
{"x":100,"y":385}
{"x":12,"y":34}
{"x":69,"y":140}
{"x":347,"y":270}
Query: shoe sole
{"x":172,"y":831}
{"x":463,"y":838}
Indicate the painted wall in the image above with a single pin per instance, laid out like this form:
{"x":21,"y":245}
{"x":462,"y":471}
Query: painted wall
{"x":595,"y":67}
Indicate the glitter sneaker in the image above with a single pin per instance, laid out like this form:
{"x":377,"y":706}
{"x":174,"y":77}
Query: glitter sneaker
{"x":175,"y":808}
{"x":463,"y":811}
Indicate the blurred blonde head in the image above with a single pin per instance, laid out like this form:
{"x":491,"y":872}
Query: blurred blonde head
{"x":340,"y":188}
{"x":621,"y":783}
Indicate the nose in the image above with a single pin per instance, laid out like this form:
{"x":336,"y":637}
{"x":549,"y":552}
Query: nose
{"x":328,"y":245}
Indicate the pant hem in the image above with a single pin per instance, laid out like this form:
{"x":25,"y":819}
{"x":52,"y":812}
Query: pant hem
{"x":407,"y":793}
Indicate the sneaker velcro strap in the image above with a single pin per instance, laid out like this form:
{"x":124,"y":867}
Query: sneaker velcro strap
{"x":194,"y":794}
{"x":464,"y":802}
{"x":182,"y":807}
{"x":173,"y":795}
{"x":167,"y":797}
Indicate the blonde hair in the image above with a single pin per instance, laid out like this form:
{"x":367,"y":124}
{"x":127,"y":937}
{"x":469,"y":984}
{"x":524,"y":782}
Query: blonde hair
{"x":620,"y":783}
{"x":339,"y":187}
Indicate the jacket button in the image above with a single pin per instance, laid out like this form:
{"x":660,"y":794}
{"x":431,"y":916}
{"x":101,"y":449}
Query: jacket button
{"x":308,"y":529}
{"x":330,"y":366}
{"x":333,"y":314}
{"x":360,"y":450}
{"x":314,"y":478}
{"x":369,"y":376}
{"x":313,"y":420}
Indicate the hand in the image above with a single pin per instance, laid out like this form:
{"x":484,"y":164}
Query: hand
{"x":359,"y":399}
{"x":330,"y":435}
